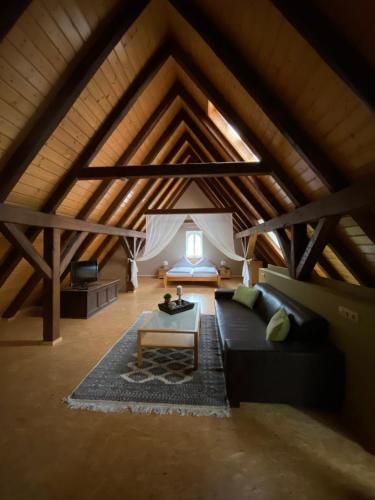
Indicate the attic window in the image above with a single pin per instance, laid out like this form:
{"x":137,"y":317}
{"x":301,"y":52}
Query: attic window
{"x":231,"y":134}
{"x":272,"y":236}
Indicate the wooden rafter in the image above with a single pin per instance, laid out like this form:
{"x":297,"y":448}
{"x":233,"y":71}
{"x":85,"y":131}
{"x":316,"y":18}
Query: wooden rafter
{"x":355,"y":197}
{"x":80,"y":72}
{"x":100,"y":136}
{"x":261,"y":92}
{"x":332,"y":46}
{"x":9,"y":13}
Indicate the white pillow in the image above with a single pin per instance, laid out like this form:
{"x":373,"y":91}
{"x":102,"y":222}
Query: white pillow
{"x":203,"y":262}
{"x":183,"y":262}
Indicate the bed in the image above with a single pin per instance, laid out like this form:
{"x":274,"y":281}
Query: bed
{"x":184,"y":270}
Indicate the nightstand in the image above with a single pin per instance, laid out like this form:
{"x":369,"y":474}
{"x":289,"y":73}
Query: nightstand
{"x":162,"y":271}
{"x":225,"y":272}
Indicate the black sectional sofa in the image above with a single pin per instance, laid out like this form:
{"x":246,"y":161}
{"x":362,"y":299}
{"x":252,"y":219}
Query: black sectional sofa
{"x":305,"y":369}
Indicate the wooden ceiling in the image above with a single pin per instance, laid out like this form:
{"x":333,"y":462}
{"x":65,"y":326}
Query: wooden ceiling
{"x":103,"y":82}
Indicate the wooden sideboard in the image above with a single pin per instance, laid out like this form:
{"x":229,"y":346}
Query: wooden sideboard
{"x":84,"y":302}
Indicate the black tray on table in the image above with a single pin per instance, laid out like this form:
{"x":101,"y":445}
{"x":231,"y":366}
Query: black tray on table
{"x":184,"y":306}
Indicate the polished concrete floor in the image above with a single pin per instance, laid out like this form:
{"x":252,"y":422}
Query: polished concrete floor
{"x":49,"y":452}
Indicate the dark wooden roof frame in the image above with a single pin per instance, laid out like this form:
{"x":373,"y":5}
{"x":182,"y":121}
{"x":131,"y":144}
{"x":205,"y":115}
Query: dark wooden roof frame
{"x":167,"y":170}
{"x":32,"y":282}
{"x":325,"y":169}
{"x":9,"y":13}
{"x":329,"y":269}
{"x":261,"y":92}
{"x":347,"y":257}
{"x":332,"y":46}
{"x":20,"y":215}
{"x":135,"y":89}
{"x":79,"y":73}
{"x":354,"y":197}
{"x":168,"y":200}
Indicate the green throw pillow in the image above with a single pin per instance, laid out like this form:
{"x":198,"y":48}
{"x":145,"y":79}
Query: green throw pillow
{"x":246,"y":296}
{"x":278,"y":326}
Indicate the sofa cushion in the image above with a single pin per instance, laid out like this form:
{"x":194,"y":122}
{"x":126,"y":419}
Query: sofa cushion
{"x":278,"y":326}
{"x":304,"y":323}
{"x":246,"y":295}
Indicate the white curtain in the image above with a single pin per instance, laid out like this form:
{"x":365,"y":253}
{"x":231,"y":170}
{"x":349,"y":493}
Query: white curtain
{"x":160,"y":230}
{"x":218,"y":228}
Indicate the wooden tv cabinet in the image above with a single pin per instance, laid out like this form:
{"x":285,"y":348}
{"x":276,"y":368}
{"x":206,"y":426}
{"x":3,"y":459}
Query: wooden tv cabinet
{"x":84,"y":302}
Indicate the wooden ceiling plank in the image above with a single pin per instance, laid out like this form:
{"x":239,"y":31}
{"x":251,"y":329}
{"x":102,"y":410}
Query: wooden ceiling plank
{"x":251,"y":80}
{"x":332,"y":46}
{"x":82,"y":69}
{"x":233,"y":118}
{"x":135,"y":89}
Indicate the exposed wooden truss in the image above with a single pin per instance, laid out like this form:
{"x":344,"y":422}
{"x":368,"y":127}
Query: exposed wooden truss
{"x":19,"y":215}
{"x":81,"y":70}
{"x":9,"y":13}
{"x":355,"y":197}
{"x":188,"y":170}
{"x":332,"y":46}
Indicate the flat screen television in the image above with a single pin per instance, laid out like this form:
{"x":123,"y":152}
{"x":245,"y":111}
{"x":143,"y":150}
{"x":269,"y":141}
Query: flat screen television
{"x":83,"y":272}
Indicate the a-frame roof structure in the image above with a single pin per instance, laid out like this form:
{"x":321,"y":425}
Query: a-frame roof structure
{"x":115,"y":83}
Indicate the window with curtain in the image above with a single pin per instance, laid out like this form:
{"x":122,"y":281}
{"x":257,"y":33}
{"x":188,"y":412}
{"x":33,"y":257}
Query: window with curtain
{"x":194,"y":244}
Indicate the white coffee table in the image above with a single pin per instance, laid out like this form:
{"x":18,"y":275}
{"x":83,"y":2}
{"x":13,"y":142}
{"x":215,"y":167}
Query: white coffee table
{"x":177,"y":331}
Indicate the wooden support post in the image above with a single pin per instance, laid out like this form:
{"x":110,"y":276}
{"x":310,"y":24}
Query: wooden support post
{"x":51,"y":287}
{"x":128,"y":244}
{"x":298,"y":245}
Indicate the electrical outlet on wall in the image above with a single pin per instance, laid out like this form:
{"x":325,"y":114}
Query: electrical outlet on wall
{"x":348,"y":314}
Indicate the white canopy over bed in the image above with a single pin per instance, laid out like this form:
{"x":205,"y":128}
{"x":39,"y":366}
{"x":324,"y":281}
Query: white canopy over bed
{"x":161,"y":229}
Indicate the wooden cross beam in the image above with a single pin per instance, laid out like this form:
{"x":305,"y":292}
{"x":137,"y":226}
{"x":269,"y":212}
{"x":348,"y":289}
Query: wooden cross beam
{"x":81,"y":70}
{"x":9,"y":13}
{"x":350,"y":199}
{"x":19,"y":215}
{"x":188,"y":170}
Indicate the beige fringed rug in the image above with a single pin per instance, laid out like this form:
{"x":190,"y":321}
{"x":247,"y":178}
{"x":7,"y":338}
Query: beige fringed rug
{"x":164,"y":384}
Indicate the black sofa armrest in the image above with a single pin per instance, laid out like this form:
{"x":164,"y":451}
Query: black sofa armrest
{"x":224,"y":293}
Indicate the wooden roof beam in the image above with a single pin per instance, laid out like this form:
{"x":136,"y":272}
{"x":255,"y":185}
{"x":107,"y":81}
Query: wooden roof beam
{"x":81,"y":70}
{"x":20,"y":215}
{"x":91,"y":149}
{"x":350,"y":199}
{"x":261,"y":92}
{"x":332,"y":46}
{"x":188,"y":170}
{"x":9,"y":13}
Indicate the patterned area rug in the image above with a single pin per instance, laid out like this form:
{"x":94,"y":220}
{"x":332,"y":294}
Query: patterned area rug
{"x":165,"y":383}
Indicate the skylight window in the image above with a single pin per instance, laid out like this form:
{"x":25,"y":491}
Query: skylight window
{"x":231,"y":134}
{"x":272,"y":236}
